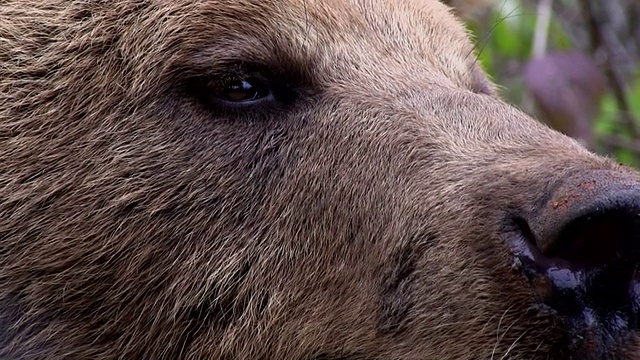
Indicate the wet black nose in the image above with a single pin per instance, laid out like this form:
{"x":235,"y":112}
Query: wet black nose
{"x":591,"y":221}
{"x":581,"y":252}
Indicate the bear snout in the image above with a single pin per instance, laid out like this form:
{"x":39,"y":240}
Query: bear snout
{"x":580,"y":252}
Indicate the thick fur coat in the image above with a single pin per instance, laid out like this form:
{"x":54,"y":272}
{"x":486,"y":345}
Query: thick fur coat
{"x":356,"y":212}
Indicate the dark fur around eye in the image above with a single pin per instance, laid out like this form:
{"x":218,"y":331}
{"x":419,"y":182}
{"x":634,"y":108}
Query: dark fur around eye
{"x":242,"y":88}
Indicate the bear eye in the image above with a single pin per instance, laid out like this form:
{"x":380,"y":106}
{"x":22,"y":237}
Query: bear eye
{"x":243,"y":90}
{"x":239,"y":88}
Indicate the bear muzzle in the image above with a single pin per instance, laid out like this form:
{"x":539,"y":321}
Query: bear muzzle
{"x":580,"y":253}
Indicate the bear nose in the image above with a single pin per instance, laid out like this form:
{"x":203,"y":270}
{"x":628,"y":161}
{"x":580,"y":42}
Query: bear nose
{"x":591,"y":220}
{"x":581,"y":252}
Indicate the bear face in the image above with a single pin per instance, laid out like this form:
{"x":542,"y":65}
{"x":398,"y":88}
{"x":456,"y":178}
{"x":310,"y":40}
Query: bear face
{"x":292,"y":180}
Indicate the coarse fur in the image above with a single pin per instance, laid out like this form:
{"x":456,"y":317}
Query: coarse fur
{"x":357,"y":217}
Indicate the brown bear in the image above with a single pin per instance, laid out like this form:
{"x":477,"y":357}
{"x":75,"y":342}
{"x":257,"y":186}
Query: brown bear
{"x":293,"y":179}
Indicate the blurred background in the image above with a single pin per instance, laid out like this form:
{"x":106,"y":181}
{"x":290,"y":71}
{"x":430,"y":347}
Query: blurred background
{"x":574,"y":64}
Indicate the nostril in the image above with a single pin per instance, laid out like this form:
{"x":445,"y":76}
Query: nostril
{"x":596,"y":239}
{"x":591,"y":219}
{"x":581,"y":254}
{"x":596,"y":229}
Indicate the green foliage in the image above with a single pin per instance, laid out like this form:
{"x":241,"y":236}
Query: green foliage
{"x":608,"y":122}
{"x":504,"y":40}
{"x":559,"y":38}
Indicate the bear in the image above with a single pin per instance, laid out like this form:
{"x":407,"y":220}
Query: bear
{"x":293,"y":179}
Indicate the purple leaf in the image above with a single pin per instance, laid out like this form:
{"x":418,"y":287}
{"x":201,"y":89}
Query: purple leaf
{"x":568,"y":88}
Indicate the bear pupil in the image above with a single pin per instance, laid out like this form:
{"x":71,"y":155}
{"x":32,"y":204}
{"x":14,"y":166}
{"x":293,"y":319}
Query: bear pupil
{"x":244,"y":90}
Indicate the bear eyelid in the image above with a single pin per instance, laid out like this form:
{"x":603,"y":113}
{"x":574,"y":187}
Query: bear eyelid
{"x":240,"y":87}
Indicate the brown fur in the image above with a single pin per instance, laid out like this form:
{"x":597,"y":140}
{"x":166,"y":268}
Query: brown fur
{"x":358,"y":221}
